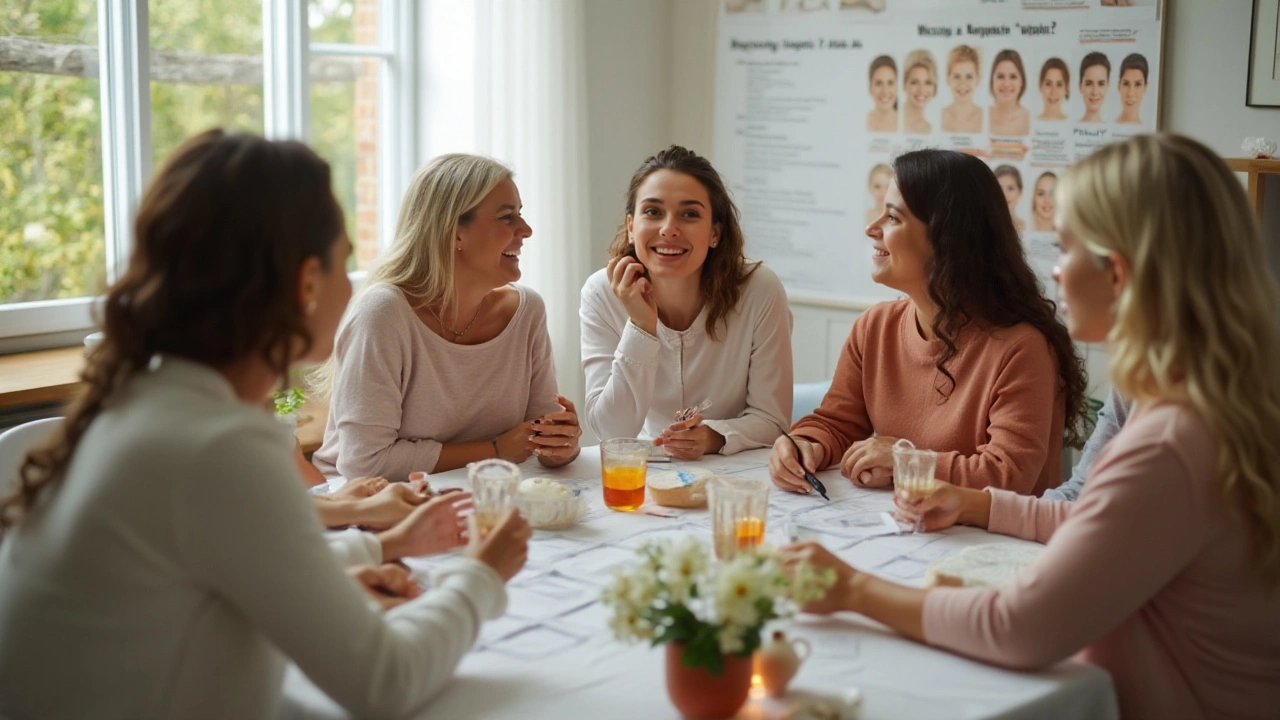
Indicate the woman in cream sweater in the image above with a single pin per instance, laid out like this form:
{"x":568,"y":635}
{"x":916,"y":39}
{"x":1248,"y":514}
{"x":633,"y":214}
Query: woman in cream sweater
{"x":161,"y":555}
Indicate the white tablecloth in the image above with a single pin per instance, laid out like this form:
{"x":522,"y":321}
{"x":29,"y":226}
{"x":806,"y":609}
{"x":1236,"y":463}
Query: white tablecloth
{"x":552,"y":655}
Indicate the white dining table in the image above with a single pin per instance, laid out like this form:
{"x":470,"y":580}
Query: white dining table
{"x":552,"y":655}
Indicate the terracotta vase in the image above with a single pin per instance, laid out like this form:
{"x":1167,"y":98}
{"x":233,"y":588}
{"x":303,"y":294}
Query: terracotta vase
{"x":699,"y":695}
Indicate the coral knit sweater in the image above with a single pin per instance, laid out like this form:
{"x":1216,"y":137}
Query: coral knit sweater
{"x":1000,"y":426}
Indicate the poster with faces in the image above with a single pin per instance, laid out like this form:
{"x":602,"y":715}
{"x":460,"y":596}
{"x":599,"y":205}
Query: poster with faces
{"x":814,"y":98}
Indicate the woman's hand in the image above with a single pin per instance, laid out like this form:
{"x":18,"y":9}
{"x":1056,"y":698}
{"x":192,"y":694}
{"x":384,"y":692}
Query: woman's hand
{"x":869,"y":463}
{"x":505,"y":548}
{"x":387,"y":507}
{"x":516,"y":444}
{"x":555,"y":435}
{"x":839,"y":596}
{"x":436,"y":526}
{"x":359,"y":488}
{"x":690,"y":439}
{"x":633,"y":289}
{"x":947,"y":505}
{"x":786,"y":466}
{"x":389,"y":585}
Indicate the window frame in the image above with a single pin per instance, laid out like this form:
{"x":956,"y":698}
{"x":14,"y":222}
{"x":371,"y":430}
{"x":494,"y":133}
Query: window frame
{"x":125,"y":103}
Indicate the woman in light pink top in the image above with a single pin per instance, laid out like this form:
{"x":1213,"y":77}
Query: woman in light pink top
{"x":443,"y":360}
{"x":1166,"y":572}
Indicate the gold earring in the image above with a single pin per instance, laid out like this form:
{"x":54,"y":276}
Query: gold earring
{"x":311,"y":307}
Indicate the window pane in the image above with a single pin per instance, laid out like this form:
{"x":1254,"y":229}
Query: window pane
{"x":206,"y":69}
{"x":349,"y":22}
{"x":344,"y":130}
{"x":51,"y":219}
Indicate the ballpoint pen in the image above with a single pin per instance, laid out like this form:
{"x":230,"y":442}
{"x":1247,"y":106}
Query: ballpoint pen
{"x":809,"y":477}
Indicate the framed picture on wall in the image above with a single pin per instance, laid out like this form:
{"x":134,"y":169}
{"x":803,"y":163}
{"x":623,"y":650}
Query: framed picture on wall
{"x":1264,"y":56}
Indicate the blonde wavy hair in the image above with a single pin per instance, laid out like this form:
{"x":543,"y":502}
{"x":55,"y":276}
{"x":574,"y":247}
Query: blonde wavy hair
{"x":1196,"y":322}
{"x":442,"y":197}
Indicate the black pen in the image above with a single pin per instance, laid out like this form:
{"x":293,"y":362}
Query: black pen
{"x":809,"y":477}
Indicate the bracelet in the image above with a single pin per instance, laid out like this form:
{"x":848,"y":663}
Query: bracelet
{"x":494,"y":442}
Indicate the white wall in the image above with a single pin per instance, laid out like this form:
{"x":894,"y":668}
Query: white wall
{"x":1202,"y":95}
{"x":628,"y":51}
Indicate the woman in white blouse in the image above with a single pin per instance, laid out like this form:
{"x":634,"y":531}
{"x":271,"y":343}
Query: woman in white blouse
{"x":679,"y":318}
{"x":161,"y":559}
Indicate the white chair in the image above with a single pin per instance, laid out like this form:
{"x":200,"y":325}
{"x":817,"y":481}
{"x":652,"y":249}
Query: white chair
{"x":14,"y":444}
{"x":807,"y":397}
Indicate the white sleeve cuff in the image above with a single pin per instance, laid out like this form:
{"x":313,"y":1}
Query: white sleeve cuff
{"x":637,"y":347}
{"x":354,"y":547}
{"x":477,"y":581}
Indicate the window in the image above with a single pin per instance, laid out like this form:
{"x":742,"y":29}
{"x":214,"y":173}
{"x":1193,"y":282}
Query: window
{"x":51,"y":214}
{"x":83,"y":119}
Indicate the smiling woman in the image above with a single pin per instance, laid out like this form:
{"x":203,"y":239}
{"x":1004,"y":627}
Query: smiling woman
{"x":443,"y":359}
{"x":679,"y":316}
{"x":973,"y":364}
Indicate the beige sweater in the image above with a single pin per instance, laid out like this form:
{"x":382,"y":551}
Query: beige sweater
{"x":401,"y":391}
{"x":181,"y":562}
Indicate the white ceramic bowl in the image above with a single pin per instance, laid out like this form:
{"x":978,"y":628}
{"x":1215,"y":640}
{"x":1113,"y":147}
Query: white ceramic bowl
{"x":552,"y":513}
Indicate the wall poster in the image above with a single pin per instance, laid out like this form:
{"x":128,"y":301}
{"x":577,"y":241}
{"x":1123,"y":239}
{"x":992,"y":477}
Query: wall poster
{"x":815,"y":97}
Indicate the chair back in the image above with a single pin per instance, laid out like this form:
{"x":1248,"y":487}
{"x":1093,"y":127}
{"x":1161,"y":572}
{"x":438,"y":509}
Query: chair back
{"x":807,"y":398}
{"x":14,"y":444}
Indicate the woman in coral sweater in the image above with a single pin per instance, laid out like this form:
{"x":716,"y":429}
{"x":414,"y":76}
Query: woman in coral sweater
{"x":973,"y":363}
{"x":1166,"y":571}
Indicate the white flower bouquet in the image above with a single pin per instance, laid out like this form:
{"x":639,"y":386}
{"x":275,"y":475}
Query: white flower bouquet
{"x":677,"y":594}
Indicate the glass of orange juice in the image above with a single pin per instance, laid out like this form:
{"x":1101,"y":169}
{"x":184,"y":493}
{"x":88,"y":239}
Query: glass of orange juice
{"x":739,"y":507}
{"x":494,"y":484}
{"x":623,"y":464}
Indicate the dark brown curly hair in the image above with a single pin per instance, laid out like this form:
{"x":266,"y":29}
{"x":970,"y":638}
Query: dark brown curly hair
{"x":979,"y":269}
{"x":726,"y":267}
{"x":220,"y":235}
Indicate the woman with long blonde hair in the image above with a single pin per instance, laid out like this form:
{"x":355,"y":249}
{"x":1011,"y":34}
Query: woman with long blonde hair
{"x":443,"y":359}
{"x":1166,"y":571}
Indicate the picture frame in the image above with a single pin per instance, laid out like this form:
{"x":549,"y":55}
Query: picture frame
{"x":1263,"y":89}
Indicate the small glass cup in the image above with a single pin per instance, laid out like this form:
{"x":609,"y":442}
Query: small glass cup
{"x":494,"y":484}
{"x":739,"y":507}
{"x":623,"y":465}
{"x":913,"y":471}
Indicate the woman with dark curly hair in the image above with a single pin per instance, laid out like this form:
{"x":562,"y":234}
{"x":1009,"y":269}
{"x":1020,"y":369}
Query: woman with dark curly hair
{"x":974,"y":363}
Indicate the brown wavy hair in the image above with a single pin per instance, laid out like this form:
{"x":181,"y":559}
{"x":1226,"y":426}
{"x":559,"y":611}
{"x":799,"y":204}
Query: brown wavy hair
{"x":979,"y":270}
{"x":220,"y":235}
{"x":726,"y":267}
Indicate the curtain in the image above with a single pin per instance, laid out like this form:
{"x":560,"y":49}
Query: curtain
{"x":532,"y":114}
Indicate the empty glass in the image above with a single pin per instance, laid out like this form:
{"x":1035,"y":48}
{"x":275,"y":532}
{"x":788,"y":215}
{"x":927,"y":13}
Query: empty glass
{"x":494,"y":484}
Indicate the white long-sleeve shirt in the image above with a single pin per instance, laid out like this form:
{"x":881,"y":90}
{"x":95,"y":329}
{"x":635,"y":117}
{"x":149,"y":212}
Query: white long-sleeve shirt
{"x":180,"y":562}
{"x":636,"y":382}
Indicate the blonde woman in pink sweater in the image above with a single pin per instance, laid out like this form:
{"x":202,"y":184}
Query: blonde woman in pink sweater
{"x":1166,"y":571}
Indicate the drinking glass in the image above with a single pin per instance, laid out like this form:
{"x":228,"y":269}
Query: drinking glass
{"x":623,"y":464}
{"x":913,"y":471}
{"x":739,"y":507}
{"x":494,"y":484}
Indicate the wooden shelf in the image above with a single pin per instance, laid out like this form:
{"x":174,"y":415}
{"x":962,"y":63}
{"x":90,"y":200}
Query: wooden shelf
{"x":40,"y":377}
{"x":1257,"y":170}
{"x":54,"y":376}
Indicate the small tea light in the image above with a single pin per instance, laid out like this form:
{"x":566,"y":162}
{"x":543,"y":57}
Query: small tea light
{"x":757,"y":686}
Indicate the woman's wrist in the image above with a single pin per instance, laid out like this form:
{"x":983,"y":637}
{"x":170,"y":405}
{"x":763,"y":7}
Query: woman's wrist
{"x":975,"y":508}
{"x":390,"y":540}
